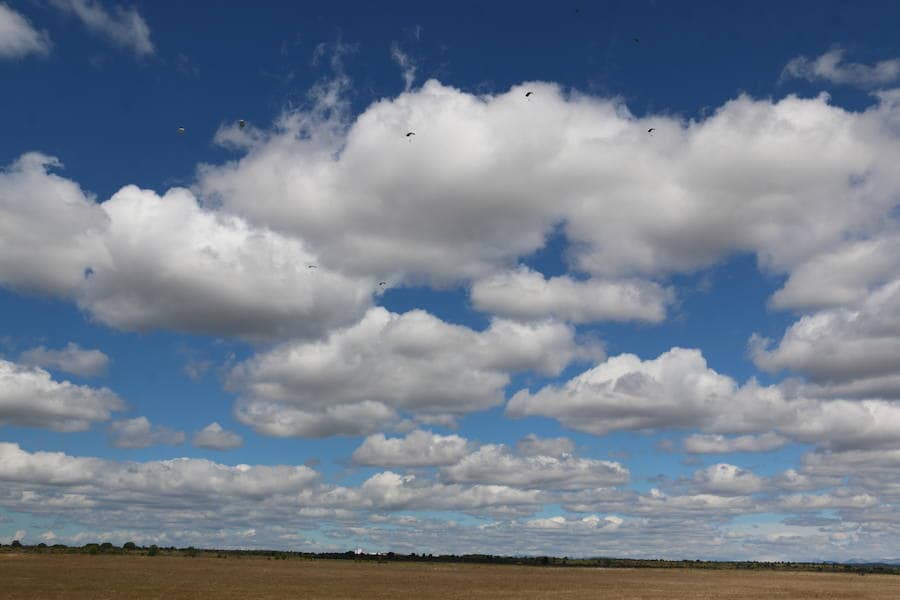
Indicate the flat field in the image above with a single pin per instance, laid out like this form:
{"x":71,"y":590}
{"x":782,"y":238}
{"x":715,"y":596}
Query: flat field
{"x":123,"y":577}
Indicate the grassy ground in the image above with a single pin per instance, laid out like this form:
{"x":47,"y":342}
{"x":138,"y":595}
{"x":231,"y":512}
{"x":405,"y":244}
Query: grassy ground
{"x":97,"y":577}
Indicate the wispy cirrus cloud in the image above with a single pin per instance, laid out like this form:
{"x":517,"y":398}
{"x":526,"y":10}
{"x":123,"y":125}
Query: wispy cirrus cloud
{"x":407,"y":65}
{"x":124,"y":27}
{"x":18,"y":37}
{"x":831,"y":67}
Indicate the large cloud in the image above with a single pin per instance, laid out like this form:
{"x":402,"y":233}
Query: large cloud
{"x":361,"y":377}
{"x":48,"y":230}
{"x":842,"y":276}
{"x":678,"y":390}
{"x":182,"y":478}
{"x":486,"y":177}
{"x":29,"y":396}
{"x":140,"y":261}
{"x":848,"y":350}
{"x":172,"y":264}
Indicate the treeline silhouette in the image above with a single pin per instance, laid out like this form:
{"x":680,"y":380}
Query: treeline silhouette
{"x":130,"y":548}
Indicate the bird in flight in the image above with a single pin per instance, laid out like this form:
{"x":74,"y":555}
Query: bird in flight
{"x":651,"y":130}
{"x":382,"y":283}
{"x":181,"y":131}
{"x":242,"y":123}
{"x":311,"y":267}
{"x":410,"y":134}
{"x":637,"y":40}
{"x":528,"y":94}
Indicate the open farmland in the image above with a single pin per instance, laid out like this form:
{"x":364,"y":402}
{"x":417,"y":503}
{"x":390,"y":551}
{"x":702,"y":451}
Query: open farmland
{"x":96,"y":577}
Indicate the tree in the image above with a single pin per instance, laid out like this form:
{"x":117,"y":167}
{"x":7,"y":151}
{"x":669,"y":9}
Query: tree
{"x":16,"y":544}
{"x":129,"y":546}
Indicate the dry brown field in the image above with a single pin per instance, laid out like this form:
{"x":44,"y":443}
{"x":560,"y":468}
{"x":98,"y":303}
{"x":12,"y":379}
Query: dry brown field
{"x":166,"y":577}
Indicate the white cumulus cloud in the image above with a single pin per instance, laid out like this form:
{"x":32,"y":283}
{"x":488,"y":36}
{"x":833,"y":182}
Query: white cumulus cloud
{"x":487,"y":178}
{"x":29,"y":396}
{"x":362,"y":377}
{"x":140,"y":261}
{"x":677,"y":390}
{"x":728,"y":480}
{"x":140,"y":433}
{"x":496,"y":464}
{"x":851,"y":349}
{"x":417,"y":449}
{"x":72,"y":359}
{"x":184,"y":478}
{"x":216,"y":437}
{"x":49,"y":228}
{"x":719,"y":444}
{"x":526,"y":294}
{"x":534,"y":445}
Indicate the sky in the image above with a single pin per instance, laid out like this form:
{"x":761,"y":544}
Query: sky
{"x":630,"y":288}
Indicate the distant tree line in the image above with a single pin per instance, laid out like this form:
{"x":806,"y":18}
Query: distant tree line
{"x":130,"y":548}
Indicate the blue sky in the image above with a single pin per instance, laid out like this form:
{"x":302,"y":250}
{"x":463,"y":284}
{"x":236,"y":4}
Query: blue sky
{"x":591,"y":338}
